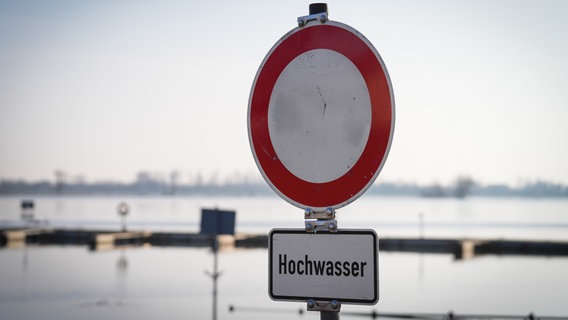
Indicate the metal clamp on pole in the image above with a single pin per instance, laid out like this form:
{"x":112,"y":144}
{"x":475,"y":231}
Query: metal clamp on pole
{"x":321,"y":225}
{"x":321,"y":17}
{"x":320,"y":221}
{"x":318,"y":12}
{"x":328,"y":214}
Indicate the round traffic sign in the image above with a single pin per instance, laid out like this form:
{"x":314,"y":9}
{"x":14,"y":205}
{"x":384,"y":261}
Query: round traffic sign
{"x":321,"y":116}
{"x":122,"y":209}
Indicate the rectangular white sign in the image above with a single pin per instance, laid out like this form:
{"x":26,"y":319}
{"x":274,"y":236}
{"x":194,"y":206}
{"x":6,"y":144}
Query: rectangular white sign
{"x":324,"y":266}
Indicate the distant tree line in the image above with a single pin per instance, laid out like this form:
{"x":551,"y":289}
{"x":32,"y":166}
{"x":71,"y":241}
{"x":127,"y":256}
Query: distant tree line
{"x":462,"y":187}
{"x":135,"y":188}
{"x":465,"y":186}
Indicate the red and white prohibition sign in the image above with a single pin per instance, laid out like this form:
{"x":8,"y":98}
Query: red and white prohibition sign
{"x":321,"y":116}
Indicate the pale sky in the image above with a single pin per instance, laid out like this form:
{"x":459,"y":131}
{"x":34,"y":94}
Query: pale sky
{"x":106,"y":89}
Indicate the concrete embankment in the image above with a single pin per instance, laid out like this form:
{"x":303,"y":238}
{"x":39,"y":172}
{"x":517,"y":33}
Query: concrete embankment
{"x":104,"y":239}
{"x":469,"y":248}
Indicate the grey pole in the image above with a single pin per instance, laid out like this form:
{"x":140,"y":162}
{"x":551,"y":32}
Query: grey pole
{"x":329,"y":315}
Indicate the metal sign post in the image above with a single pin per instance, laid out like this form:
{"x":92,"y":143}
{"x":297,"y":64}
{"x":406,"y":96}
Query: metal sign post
{"x":122,"y":210}
{"x":320,"y":123}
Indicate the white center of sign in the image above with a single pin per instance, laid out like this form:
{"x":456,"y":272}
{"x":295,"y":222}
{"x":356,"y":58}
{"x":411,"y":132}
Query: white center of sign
{"x":319,"y":116}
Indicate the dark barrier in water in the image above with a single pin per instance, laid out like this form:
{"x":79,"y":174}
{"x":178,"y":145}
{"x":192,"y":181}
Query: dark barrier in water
{"x":460,"y":248}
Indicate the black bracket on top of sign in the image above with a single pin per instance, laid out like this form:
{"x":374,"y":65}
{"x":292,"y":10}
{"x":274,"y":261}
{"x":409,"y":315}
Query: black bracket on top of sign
{"x":318,"y":12}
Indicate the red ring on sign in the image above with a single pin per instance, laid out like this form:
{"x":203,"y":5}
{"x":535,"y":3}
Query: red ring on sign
{"x":362,"y":174}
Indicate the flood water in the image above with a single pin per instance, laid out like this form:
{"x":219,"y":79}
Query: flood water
{"x":61,"y":282}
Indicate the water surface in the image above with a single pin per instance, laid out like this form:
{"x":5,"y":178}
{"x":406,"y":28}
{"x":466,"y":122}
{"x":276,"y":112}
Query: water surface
{"x":59,"y":282}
